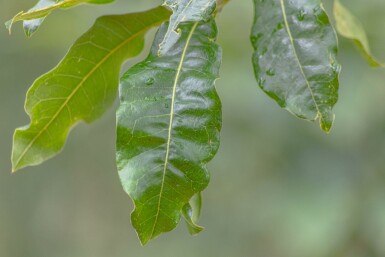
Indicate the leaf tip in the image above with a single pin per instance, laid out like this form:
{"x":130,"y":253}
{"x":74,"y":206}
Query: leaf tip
{"x":195,"y":230}
{"x":16,"y":164}
{"x":327,"y":124}
{"x":191,"y":215}
{"x":18,"y":156}
{"x":28,"y":32}
{"x":16,"y":168}
{"x":143,"y":240}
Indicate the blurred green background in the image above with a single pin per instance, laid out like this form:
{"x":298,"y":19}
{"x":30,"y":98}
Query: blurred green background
{"x":279,"y":187}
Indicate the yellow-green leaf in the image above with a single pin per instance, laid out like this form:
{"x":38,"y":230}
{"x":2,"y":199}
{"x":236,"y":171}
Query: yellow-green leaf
{"x":350,"y":27}
{"x":82,"y":86}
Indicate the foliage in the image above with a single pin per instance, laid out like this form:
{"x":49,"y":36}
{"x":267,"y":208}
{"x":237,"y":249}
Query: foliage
{"x":169,"y":116}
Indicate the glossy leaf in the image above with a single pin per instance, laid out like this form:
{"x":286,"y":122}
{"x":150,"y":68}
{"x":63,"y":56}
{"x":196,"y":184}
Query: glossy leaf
{"x":82,"y":86}
{"x":33,"y":18}
{"x":350,"y":27}
{"x":184,"y":11}
{"x":169,"y":120}
{"x":295,"y":57}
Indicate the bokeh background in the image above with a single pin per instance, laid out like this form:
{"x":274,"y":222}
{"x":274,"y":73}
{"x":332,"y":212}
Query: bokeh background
{"x":279,"y":187}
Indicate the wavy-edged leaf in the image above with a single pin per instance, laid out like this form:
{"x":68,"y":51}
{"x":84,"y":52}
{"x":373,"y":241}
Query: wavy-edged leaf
{"x":168,"y":125}
{"x":33,"y":18}
{"x":184,"y":11}
{"x":82,"y":86}
{"x":295,"y":57}
{"x":349,"y":26}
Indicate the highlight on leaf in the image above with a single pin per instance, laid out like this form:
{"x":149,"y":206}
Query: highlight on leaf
{"x":350,"y":27}
{"x":83,"y":85}
{"x":168,"y":125}
{"x":33,"y":18}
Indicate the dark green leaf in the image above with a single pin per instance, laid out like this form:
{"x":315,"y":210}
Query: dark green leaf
{"x":36,"y":15}
{"x":184,"y":11}
{"x":295,"y":57}
{"x":168,"y":121}
{"x":350,"y":27}
{"x":82,"y":86}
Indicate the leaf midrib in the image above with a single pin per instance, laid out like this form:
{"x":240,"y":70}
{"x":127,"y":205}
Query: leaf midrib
{"x":177,"y":76}
{"x":97,"y":66}
{"x":297,"y":58}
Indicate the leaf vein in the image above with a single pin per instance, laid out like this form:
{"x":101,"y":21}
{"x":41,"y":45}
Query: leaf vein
{"x":177,"y":76}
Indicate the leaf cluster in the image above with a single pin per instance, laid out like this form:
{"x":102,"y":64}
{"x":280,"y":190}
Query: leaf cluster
{"x":169,"y":113}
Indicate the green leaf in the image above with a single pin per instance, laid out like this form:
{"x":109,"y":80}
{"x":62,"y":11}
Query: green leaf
{"x":350,"y":27}
{"x":184,"y":11}
{"x":168,"y":125}
{"x":82,"y":86}
{"x":33,"y":18}
{"x":295,"y":57}
{"x":191,"y":212}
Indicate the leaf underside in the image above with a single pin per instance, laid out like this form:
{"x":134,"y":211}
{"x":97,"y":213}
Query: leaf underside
{"x":184,"y":11}
{"x":82,"y":86}
{"x":295,"y":57}
{"x":33,"y":18}
{"x":350,"y":27}
{"x":168,"y":125}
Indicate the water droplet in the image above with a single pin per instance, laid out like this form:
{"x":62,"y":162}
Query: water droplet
{"x":150,"y":81}
{"x":270,"y":72}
